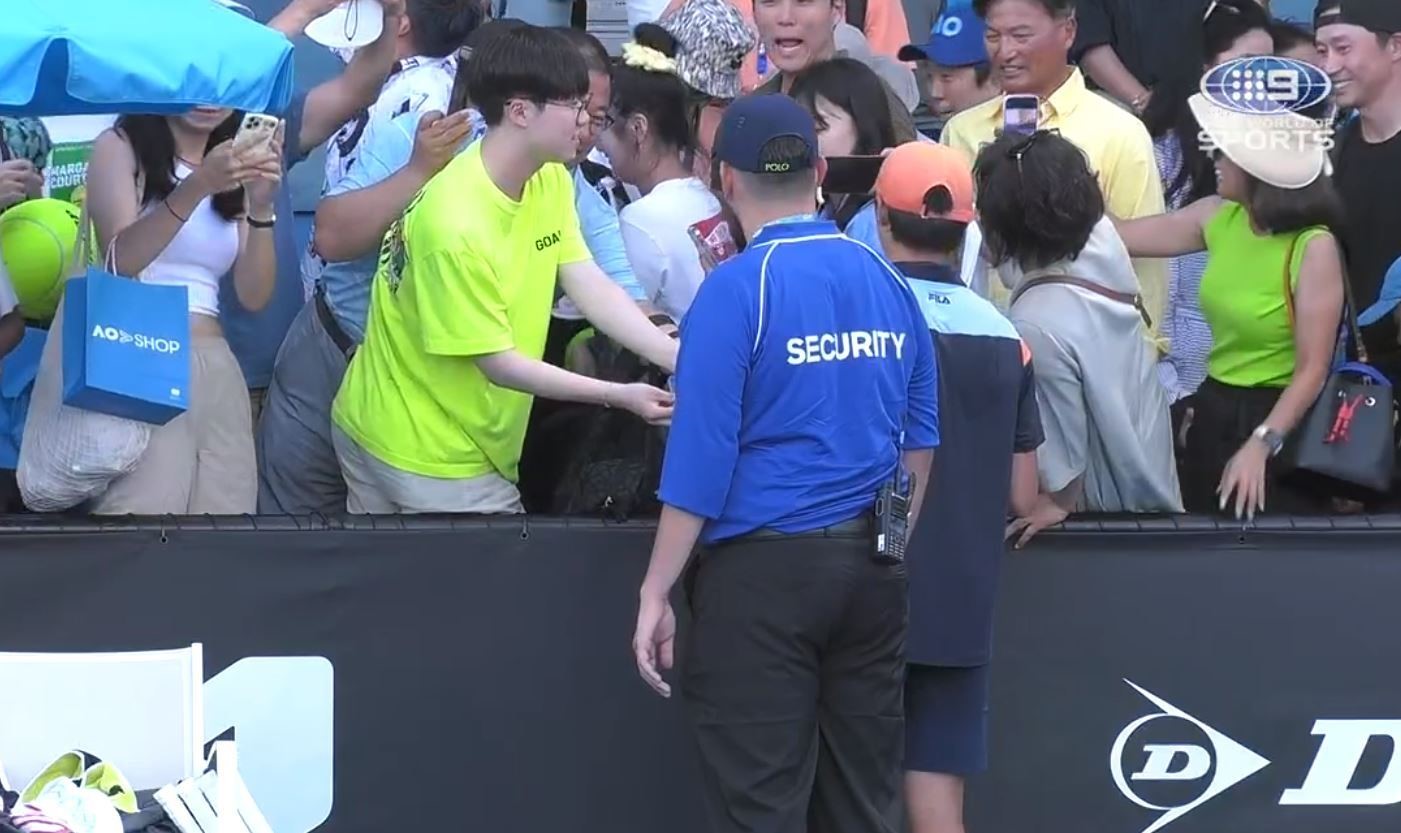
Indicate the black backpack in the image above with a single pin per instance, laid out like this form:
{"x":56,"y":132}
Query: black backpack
{"x":612,"y":460}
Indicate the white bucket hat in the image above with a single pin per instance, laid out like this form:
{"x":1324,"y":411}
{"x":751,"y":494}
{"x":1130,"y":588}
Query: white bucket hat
{"x":1286,"y":150}
{"x":352,"y":24}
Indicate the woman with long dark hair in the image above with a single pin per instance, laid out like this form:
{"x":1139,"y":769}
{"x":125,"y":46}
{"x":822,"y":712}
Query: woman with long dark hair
{"x":677,"y":227}
{"x":173,"y":202}
{"x":852,"y":111}
{"x":1272,"y":295}
{"x":1230,"y":29}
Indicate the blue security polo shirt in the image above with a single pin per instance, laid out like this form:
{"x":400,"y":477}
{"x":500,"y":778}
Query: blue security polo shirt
{"x":805,"y":367}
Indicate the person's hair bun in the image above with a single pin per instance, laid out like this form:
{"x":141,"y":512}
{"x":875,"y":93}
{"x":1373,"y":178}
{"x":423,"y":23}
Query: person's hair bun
{"x":656,"y":37}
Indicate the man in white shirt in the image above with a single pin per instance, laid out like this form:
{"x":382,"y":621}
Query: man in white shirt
{"x":429,"y":37}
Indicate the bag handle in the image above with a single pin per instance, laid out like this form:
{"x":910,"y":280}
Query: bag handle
{"x":1132,"y":299}
{"x":109,"y":261}
{"x":1366,"y":370}
{"x":83,"y":251}
{"x":1349,"y":327}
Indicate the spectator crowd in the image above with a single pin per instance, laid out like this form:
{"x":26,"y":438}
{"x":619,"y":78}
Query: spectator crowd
{"x":528,"y":254}
{"x":513,"y":225}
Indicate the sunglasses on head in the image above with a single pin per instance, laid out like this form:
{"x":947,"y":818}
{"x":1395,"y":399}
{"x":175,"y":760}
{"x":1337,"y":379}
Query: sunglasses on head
{"x":1020,"y":148}
{"x":1217,"y":4}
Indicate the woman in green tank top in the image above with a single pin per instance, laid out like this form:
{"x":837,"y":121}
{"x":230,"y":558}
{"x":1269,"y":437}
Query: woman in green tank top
{"x":1272,"y":295}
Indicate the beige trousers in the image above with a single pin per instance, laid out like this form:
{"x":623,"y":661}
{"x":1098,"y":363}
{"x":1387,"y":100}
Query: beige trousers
{"x":202,"y":462}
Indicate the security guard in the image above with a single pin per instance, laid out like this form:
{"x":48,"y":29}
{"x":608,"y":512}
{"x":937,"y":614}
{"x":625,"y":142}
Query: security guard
{"x":805,"y":391}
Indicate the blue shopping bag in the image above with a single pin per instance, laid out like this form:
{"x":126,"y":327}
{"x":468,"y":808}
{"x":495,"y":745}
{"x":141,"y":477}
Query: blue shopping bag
{"x":126,"y":347}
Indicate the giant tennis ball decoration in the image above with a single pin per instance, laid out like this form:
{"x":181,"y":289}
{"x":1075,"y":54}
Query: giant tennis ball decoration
{"x":37,"y":238}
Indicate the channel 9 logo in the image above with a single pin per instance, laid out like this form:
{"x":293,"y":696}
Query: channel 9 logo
{"x":1266,"y":85}
{"x":1279,"y":93}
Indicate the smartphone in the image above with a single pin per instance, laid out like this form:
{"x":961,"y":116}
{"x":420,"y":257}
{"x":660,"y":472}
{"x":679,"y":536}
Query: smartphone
{"x":851,"y":174}
{"x":1020,"y":114}
{"x":255,"y":132}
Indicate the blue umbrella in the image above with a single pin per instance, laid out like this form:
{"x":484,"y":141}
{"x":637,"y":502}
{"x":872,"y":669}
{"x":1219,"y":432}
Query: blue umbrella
{"x":71,"y":57}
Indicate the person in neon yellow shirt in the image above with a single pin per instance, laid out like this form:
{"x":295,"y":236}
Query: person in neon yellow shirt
{"x":432,"y":414}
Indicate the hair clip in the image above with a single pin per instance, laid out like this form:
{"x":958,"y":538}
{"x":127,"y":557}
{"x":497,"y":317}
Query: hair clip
{"x":637,"y":56}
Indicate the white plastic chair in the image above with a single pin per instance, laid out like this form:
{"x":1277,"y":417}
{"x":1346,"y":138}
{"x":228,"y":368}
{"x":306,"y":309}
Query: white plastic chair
{"x":216,"y":801}
{"x":143,"y":711}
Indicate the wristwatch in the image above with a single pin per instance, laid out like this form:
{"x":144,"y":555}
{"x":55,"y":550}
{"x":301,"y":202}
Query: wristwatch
{"x":268,"y":223}
{"x":1272,"y":439}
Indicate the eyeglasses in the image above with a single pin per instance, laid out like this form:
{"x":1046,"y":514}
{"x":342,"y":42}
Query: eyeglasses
{"x":576,"y":104}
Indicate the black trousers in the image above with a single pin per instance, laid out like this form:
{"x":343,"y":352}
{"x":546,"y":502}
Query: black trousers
{"x":793,"y":683}
{"x":1223,"y":418}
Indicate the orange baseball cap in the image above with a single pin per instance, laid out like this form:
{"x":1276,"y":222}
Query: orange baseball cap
{"x":915,"y":168}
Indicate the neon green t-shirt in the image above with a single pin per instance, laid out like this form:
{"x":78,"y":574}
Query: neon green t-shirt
{"x":465,"y":272}
{"x":1243,"y":300}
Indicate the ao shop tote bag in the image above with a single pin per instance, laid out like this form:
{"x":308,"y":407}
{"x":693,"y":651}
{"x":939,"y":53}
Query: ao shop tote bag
{"x":115,"y":364}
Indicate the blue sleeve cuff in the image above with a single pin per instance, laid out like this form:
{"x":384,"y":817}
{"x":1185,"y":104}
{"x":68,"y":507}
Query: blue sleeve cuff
{"x":689,"y":503}
{"x":917,"y":440}
{"x":694,"y":476}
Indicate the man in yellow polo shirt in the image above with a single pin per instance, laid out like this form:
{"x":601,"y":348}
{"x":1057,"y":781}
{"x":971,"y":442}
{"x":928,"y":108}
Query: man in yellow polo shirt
{"x":431,"y":416}
{"x":1029,"y":45}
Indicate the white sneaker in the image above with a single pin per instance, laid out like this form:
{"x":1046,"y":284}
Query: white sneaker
{"x":80,"y":809}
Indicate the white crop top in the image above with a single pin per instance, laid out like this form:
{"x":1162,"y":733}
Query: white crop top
{"x":198,"y":256}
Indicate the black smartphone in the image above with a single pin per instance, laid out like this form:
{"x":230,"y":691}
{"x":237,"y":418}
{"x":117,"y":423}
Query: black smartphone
{"x":1021,"y":114}
{"x":851,"y":174}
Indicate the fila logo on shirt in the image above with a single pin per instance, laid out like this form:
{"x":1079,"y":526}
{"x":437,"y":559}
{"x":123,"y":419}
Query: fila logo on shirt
{"x":546,"y":242}
{"x":839,"y":347}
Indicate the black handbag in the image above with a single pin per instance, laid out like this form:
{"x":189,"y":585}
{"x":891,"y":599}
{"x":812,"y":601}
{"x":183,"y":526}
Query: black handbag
{"x":1348,"y":434}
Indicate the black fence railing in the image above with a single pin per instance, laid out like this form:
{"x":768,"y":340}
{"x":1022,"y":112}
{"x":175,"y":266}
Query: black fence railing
{"x":482,"y":677}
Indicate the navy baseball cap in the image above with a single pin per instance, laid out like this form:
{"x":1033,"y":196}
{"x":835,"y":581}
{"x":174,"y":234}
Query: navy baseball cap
{"x":752,"y":122}
{"x":955,"y":41}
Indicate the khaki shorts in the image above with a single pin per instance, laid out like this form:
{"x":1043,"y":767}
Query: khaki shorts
{"x":377,"y":488}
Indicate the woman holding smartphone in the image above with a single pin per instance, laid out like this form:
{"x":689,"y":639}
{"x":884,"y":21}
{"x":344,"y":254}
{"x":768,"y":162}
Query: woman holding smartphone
{"x":173,"y":203}
{"x":852,"y":111}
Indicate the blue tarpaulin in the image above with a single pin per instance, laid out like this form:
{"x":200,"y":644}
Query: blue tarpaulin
{"x":73,"y":57}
